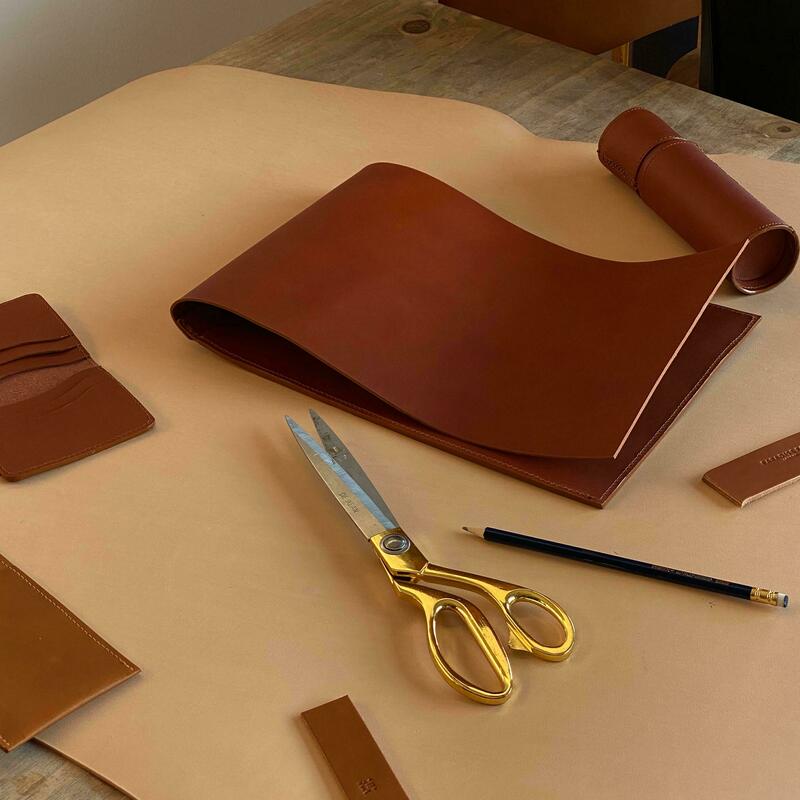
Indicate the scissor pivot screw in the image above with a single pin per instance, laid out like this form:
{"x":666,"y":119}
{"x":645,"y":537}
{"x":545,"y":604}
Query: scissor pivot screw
{"x":395,"y":543}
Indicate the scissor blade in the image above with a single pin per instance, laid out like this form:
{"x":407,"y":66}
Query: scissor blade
{"x":369,"y":519}
{"x":339,"y":452}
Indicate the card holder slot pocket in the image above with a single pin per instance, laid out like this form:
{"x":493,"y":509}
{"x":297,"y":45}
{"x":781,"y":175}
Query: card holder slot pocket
{"x":25,"y":349}
{"x":29,"y":320}
{"x":41,"y":361}
{"x":56,"y":404}
{"x":68,"y":391}
{"x":34,"y":344}
{"x":84,"y":414}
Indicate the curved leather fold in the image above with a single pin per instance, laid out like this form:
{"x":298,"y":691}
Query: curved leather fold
{"x":697,"y":198}
{"x":460,"y":320}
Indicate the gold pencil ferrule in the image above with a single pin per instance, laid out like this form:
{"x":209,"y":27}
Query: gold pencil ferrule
{"x":766,"y":596}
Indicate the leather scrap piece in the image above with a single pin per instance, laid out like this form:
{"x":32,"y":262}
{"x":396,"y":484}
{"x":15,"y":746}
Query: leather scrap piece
{"x":759,"y":472}
{"x":50,"y":661}
{"x":358,"y":763}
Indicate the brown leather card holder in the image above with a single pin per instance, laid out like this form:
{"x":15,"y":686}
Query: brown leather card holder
{"x":50,"y":662}
{"x":358,"y":763}
{"x":56,"y":404}
{"x":758,"y":473}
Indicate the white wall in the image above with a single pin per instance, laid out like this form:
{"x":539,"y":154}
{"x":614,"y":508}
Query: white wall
{"x":56,"y":55}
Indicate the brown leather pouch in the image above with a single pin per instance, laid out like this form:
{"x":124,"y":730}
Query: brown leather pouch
{"x":697,"y":198}
{"x":50,"y":662}
{"x":56,"y":404}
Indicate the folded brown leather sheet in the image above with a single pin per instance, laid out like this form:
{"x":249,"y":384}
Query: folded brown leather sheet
{"x":56,"y":404}
{"x":400,"y":299}
{"x":50,"y":662}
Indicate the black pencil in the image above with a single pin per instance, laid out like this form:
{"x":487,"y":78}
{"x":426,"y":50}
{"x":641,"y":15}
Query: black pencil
{"x":766,"y":596}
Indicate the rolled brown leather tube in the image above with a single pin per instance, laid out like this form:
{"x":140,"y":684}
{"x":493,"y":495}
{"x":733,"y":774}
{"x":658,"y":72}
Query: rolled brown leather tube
{"x":697,"y":198}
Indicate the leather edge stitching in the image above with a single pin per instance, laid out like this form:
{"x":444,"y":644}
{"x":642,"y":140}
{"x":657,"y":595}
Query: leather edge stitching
{"x":132,"y":669}
{"x":668,"y":422}
{"x":506,"y":465}
{"x":74,"y":620}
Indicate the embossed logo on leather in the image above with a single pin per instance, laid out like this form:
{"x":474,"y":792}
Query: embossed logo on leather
{"x":353,"y":753}
{"x":758,"y":473}
{"x":784,"y":455}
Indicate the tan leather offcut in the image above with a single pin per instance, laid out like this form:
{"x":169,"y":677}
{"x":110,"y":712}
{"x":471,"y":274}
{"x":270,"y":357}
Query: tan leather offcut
{"x":352,"y":752}
{"x":51,"y":662}
{"x":759,"y":472}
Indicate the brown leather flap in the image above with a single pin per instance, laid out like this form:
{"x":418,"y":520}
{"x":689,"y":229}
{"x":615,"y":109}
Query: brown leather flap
{"x":457,"y":318}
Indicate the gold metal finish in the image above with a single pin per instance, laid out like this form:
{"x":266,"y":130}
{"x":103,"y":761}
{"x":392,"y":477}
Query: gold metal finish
{"x":434,"y":603}
{"x":504,"y":596}
{"x":408,"y":568}
{"x":767,"y":596}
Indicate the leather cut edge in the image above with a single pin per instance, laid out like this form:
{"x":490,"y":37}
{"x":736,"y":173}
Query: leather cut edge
{"x":462,"y":450}
{"x":132,"y":669}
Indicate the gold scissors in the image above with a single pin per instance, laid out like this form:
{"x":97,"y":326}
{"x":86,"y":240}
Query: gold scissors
{"x":406,"y":567}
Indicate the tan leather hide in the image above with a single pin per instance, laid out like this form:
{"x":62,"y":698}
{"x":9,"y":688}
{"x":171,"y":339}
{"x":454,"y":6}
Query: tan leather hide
{"x":211,"y":553}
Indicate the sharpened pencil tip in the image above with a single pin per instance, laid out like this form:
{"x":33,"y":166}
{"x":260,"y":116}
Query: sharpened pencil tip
{"x":473,"y":531}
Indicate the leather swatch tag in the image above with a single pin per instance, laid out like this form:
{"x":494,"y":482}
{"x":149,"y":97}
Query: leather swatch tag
{"x":354,"y":755}
{"x":758,"y":473}
{"x":50,"y":662}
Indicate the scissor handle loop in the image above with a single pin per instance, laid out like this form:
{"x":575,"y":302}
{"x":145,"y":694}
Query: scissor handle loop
{"x":433,"y":604}
{"x":505,"y":596}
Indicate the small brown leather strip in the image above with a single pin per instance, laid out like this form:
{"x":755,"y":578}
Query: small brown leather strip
{"x":353,"y":753}
{"x":758,"y":473}
{"x":50,"y":662}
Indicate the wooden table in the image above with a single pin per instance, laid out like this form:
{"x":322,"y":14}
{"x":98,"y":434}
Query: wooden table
{"x":418,"y":46}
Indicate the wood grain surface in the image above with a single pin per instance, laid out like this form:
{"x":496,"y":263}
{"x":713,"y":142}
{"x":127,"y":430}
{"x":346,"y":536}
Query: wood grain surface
{"x":421,"y":47}
{"x":551,"y":89}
